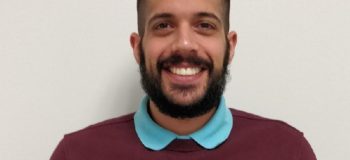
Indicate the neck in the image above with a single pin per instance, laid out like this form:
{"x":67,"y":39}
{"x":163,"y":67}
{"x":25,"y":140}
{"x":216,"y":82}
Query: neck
{"x":188,"y":125}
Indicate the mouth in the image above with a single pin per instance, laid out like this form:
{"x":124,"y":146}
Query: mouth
{"x":184,"y":74}
{"x":188,"y":71}
{"x":184,"y":71}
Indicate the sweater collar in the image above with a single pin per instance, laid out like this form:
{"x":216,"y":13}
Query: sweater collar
{"x":155,"y":137}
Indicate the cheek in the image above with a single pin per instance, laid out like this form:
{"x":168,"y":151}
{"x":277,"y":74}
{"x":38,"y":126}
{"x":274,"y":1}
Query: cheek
{"x":216,"y":50}
{"x":151,"y":62}
{"x":153,"y":50}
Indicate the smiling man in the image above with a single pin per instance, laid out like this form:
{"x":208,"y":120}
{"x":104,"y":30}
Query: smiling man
{"x":183,"y":48}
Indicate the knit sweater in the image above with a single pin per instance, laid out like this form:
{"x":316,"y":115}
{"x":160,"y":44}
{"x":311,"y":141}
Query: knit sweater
{"x":251,"y":138}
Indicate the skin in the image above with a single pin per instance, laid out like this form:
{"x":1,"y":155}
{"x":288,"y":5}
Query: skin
{"x":183,"y":27}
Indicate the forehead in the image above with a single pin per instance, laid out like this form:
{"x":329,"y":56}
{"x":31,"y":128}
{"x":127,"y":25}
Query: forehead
{"x":183,"y":7}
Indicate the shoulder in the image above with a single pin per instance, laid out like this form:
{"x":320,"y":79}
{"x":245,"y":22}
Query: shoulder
{"x":253,"y":131}
{"x":110,"y":134}
{"x":115,"y":127}
{"x":245,"y":119}
{"x":118,"y":121}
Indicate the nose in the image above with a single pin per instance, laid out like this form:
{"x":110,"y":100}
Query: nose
{"x":185,"y":40}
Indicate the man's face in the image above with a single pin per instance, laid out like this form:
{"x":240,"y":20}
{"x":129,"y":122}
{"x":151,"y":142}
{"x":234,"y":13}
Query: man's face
{"x":183,"y":52}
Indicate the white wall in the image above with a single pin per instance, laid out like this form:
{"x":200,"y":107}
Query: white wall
{"x":65,"y":64}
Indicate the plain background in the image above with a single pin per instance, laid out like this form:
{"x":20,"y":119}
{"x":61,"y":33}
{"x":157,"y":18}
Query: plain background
{"x":66,"y":64}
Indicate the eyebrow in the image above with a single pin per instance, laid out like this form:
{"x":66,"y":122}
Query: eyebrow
{"x":198,"y":15}
{"x":160,"y":16}
{"x":208,"y":15}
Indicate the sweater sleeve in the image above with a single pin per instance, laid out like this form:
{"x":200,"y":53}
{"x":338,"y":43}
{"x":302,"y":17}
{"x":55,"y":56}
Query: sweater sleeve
{"x":306,"y":152}
{"x":59,"y":153}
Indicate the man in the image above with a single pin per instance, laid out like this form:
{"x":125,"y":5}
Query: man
{"x":183,"y":48}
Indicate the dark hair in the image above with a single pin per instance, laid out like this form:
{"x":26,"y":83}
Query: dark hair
{"x":141,"y":19}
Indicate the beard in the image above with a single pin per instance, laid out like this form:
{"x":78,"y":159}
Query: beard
{"x":152,"y":85}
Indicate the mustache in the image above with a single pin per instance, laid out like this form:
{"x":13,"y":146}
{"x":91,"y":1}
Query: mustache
{"x":193,"y":59}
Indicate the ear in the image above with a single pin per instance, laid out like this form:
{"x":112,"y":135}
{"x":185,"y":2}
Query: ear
{"x":135,"y":42}
{"x":232,"y":41}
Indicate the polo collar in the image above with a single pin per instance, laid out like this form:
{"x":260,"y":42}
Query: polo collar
{"x":155,"y":137}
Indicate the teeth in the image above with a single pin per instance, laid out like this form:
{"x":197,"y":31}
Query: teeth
{"x":185,"y":71}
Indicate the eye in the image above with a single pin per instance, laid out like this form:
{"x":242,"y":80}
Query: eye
{"x":206,"y":26}
{"x":162,"y":26}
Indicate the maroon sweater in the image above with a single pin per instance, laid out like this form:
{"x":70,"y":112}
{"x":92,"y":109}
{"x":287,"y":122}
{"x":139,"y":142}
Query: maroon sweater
{"x":252,"y":138}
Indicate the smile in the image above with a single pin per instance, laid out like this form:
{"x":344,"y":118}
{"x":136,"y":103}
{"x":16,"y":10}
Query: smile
{"x":189,"y":71}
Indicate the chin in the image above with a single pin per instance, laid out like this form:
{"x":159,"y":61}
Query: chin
{"x":185,"y":99}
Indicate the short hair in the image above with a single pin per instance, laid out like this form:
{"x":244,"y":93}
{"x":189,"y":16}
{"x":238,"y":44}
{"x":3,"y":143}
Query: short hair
{"x":141,"y":18}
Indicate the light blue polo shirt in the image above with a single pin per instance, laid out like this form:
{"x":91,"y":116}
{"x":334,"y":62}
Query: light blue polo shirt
{"x":155,"y":137}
